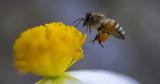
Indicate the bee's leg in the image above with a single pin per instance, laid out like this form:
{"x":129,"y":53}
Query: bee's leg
{"x":100,"y":43}
{"x":79,"y":20}
{"x":90,"y":29}
{"x":99,"y":30}
{"x":95,"y":38}
{"x":86,"y":28}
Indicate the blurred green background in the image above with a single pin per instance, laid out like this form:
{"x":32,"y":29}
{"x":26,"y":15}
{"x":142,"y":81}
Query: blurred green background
{"x":138,"y":56}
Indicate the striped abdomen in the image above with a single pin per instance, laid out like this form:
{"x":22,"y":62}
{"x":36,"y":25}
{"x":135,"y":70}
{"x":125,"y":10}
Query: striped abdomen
{"x":112,"y":27}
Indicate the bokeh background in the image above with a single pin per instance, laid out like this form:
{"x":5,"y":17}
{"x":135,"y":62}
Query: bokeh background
{"x":138,"y":56}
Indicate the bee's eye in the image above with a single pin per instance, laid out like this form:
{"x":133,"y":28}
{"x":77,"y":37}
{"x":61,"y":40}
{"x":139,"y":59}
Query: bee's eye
{"x":88,"y":16}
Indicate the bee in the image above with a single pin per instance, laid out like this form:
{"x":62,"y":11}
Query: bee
{"x":105,"y":26}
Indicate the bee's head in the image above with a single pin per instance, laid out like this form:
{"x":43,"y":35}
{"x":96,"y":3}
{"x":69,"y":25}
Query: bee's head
{"x":88,"y":19}
{"x":91,"y":19}
{"x":89,"y":16}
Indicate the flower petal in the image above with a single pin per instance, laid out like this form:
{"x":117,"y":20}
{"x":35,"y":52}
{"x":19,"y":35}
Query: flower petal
{"x":48,"y":50}
{"x":101,"y":77}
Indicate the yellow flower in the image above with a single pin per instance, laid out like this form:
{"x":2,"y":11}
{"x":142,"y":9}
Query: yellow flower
{"x":48,"y":50}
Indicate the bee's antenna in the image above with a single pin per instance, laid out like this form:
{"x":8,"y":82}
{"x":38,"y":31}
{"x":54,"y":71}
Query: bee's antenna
{"x":78,"y":20}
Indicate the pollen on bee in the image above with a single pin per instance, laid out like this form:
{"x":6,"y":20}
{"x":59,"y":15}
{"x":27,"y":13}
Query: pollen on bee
{"x":103,"y":37}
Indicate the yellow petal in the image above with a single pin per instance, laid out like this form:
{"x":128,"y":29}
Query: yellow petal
{"x":48,"y":50}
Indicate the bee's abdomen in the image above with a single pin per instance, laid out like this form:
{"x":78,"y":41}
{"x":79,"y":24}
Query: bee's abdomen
{"x":114,"y":29}
{"x":119,"y":30}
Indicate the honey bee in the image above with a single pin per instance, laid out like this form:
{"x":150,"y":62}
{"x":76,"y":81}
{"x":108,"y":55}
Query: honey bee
{"x":103,"y":25}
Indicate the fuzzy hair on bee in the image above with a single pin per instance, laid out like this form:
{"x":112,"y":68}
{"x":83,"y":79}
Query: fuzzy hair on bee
{"x":104,"y":26}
